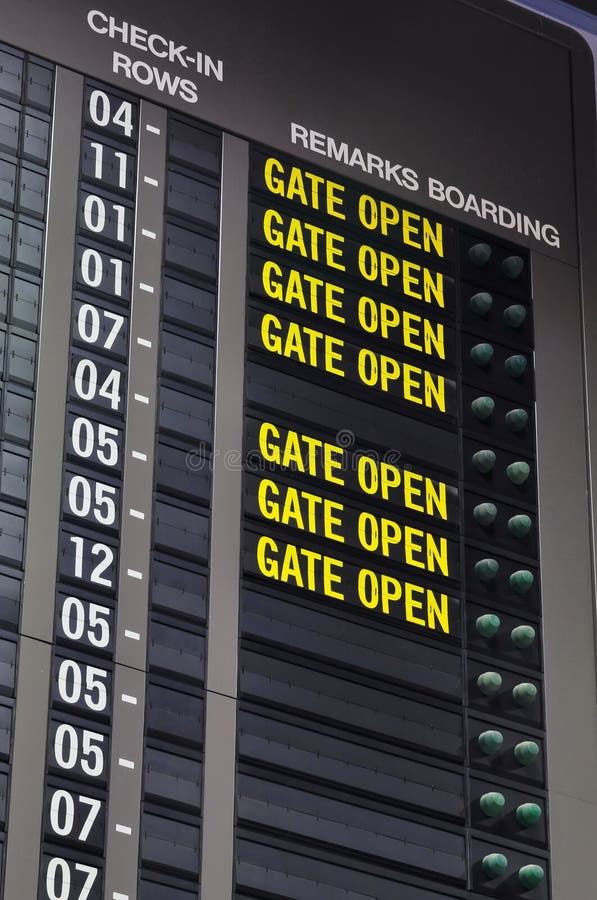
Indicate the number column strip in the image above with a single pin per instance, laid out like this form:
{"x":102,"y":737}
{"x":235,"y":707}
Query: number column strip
{"x":41,"y":551}
{"x":219,"y":780}
{"x":135,"y":534}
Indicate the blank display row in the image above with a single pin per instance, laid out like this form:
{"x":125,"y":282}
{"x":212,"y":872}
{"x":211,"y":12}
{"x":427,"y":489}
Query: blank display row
{"x":352,"y":828}
{"x":24,"y":134}
{"x":21,"y":242}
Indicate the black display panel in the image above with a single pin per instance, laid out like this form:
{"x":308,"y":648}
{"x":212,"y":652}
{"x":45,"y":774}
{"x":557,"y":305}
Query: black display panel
{"x":390,"y":701}
{"x":388,"y":489}
{"x":82,"y":680}
{"x":27,"y":89}
{"x":172,"y":788}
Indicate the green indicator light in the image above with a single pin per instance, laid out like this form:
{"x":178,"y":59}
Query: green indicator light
{"x":526,"y":752}
{"x":492,"y":803}
{"x":488,"y":625}
{"x":523,"y":636}
{"x":481,"y":354}
{"x":494,"y":864}
{"x":528,"y":814}
{"x":489,"y":683}
{"x":484,"y":461}
{"x":518,"y":472}
{"x":514,"y":315}
{"x":479,"y":254}
{"x":524,"y":693}
{"x":516,"y":365}
{"x":519,"y":526}
{"x":481,"y":303}
{"x":485,"y":514}
{"x":530,"y":876}
{"x":486,"y":569}
{"x":483,"y":407}
{"x":513,"y":266}
{"x":490,"y":742}
{"x":517,"y":419}
{"x":521,"y":581}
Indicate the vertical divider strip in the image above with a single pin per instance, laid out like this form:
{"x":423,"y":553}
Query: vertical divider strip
{"x":41,"y":550}
{"x":223,"y":621}
{"x":128,"y":717}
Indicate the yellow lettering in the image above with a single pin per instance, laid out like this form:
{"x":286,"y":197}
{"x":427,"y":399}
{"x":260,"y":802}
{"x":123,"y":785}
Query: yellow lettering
{"x":410,"y":383}
{"x":433,"y":234}
{"x":412,"y":490}
{"x":301,"y":567}
{"x":332,"y":575}
{"x":424,"y":551}
{"x":272,"y":181}
{"x":411,"y":279}
{"x":438,"y":612}
{"x":414,"y":545}
{"x":291,"y":569}
{"x":302,"y":453}
{"x":433,"y":285}
{"x":300,"y":509}
{"x":410,"y":604}
{"x":433,"y":337}
{"x":306,"y":345}
{"x":269,"y":450}
{"x":436,"y":499}
{"x":383,"y":216}
{"x":267,"y":565}
{"x":296,"y":188}
{"x":383,"y":267}
{"x":307,"y":240}
{"x":410,"y":228}
{"x":435,"y":391}
{"x":305,"y":187}
{"x":268,"y":507}
{"x":437,"y":555}
{"x":421,"y":606}
{"x":412,"y":331}
{"x":319,"y":297}
{"x":333,"y":461}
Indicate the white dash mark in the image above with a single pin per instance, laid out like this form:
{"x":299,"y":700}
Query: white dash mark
{"x":136,"y":514}
{"x":141,"y":398}
{"x":147,"y":233}
{"x":152,"y":181}
{"x":143,"y":342}
{"x":136,"y":454}
{"x":126,"y":763}
{"x":132,"y":573}
{"x":124,"y":829}
{"x":153,"y":129}
{"x":148,"y":288}
{"x":118,"y":896}
{"x":133,"y":635}
{"x":126,"y":698}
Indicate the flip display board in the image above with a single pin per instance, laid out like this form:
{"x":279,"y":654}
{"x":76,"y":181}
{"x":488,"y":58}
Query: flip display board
{"x":296,"y":573}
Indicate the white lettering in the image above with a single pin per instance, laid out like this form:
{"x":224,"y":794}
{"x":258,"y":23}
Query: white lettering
{"x":94,"y":14}
{"x":164,"y":81}
{"x":354,"y":157}
{"x":160,"y":47}
{"x":492,"y":212}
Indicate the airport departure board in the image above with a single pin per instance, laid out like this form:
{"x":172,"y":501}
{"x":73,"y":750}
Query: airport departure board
{"x":296,"y":585}
{"x":390,"y":592}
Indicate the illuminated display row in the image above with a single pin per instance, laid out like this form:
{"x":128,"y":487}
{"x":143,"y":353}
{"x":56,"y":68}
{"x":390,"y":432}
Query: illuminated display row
{"x":390,"y":526}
